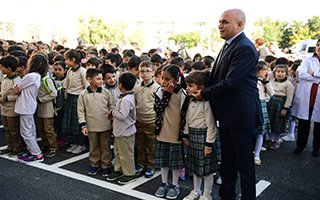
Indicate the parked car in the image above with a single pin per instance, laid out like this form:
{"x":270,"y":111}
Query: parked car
{"x":303,"y":49}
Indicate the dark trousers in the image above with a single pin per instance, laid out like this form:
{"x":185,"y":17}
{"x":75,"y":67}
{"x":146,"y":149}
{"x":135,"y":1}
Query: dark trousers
{"x":303,"y":134}
{"x":237,"y":146}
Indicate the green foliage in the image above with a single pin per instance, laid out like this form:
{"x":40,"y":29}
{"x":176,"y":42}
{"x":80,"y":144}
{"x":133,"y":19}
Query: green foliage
{"x":314,"y":26}
{"x":190,"y":39}
{"x":96,"y":31}
{"x":272,"y":30}
{"x":136,"y":36}
{"x":287,"y":34}
{"x":300,"y":31}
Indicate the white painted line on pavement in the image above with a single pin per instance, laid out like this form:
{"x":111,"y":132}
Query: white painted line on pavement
{"x":140,"y":181}
{"x":13,"y":158}
{"x":261,"y":186}
{"x":124,"y":189}
{"x":71,"y":160}
{"x":100,"y":183}
{"x":3,"y":147}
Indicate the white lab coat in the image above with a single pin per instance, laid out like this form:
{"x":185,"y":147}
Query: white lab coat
{"x":301,"y":102}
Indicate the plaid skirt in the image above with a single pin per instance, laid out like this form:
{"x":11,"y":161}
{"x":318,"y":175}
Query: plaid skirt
{"x":265,"y":127}
{"x":168,"y":155}
{"x":277,"y":123}
{"x":196,"y":162}
{"x":70,"y":123}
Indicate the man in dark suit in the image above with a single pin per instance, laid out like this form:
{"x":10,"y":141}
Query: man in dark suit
{"x":234,"y":99}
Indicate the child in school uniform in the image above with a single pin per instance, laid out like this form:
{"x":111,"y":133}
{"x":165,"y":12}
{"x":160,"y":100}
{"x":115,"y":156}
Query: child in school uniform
{"x":265,"y":91}
{"x":45,"y":116}
{"x":290,"y":136}
{"x":200,"y":135}
{"x":26,"y":105}
{"x":75,"y":82}
{"x":59,"y":75}
{"x":93,"y":107}
{"x":124,"y":118}
{"x":10,"y":119}
{"x":279,"y":104}
{"x":170,"y":105}
{"x":146,"y":116}
{"x":111,"y":82}
{"x":133,"y":66}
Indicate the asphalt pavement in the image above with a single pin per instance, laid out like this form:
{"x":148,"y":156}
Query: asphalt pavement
{"x":282,"y":176}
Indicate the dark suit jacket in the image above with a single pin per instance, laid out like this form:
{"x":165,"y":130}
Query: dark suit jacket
{"x":232,"y":89}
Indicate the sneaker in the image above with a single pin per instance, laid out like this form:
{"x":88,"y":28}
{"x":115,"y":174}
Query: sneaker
{"x":263,"y":149}
{"x":205,"y":198}
{"x":315,"y":153}
{"x":93,"y":171}
{"x":71,"y":148}
{"x":50,"y":153}
{"x":106,"y":172}
{"x":127,"y":179}
{"x":148,"y":173}
{"x":274,"y":146}
{"x":5,"y":151}
{"x":115,"y":176}
{"x":257,"y":161}
{"x":23,"y":154}
{"x":78,"y":149}
{"x":192,"y":196}
{"x":288,"y":138}
{"x":139,"y":169}
{"x":33,"y":159}
{"x":162,"y":190}
{"x":173,"y":192}
{"x":298,"y":150}
{"x":267,"y":144}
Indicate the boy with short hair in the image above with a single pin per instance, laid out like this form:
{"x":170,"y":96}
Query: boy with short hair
{"x":124,"y":118}
{"x":93,"y":62}
{"x":133,"y":66}
{"x":110,"y":82}
{"x":94,"y":104}
{"x":10,"y":120}
{"x":146,"y":116}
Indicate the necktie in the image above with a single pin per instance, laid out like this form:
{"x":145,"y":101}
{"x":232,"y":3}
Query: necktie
{"x":224,"y":47}
{"x":219,"y":57}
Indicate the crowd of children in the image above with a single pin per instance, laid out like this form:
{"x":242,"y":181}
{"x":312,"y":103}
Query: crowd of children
{"x":143,"y":105}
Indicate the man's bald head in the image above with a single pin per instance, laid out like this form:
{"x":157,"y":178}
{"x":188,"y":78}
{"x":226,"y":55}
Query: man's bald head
{"x":231,"y":22}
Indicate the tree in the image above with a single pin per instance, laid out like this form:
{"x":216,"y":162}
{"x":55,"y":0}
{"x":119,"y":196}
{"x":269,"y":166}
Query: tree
{"x":300,"y":31}
{"x":285,"y":40}
{"x":314,"y":26}
{"x":270,"y":30}
{"x":190,"y":39}
{"x":96,"y":31}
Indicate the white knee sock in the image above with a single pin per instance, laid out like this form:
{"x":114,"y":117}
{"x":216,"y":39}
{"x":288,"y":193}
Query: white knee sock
{"x":208,"y":184}
{"x":175,"y":177}
{"x":292,"y":126}
{"x":164,"y":174}
{"x":258,"y":147}
{"x":197,"y":183}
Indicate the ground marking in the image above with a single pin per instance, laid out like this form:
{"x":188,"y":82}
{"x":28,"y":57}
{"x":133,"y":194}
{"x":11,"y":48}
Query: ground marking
{"x":261,"y":186}
{"x":125,"y":189}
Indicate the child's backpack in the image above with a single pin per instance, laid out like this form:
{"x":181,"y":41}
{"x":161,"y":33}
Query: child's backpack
{"x":59,"y":101}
